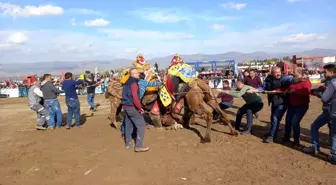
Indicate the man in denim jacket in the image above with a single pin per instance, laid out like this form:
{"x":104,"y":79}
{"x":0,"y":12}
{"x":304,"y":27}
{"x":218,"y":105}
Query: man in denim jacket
{"x":329,"y":97}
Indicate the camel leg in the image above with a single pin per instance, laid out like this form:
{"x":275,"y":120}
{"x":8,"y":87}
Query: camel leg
{"x":223,"y":117}
{"x":207,"y":116}
{"x":207,"y":137}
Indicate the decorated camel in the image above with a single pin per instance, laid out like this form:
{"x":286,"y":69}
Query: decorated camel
{"x":191,"y":98}
{"x":188,"y":98}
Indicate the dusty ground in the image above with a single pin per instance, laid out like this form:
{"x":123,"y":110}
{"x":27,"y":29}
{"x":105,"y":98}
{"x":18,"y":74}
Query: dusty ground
{"x":94,"y":154}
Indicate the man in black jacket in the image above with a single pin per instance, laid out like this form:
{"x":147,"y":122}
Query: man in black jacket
{"x":277,"y":101}
{"x":90,"y":90}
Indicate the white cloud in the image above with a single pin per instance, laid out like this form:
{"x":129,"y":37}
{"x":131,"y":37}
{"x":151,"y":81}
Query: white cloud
{"x":218,"y":27}
{"x":128,"y":34}
{"x":96,"y":23}
{"x":157,"y":15}
{"x":30,"y":11}
{"x":301,"y":38}
{"x":17,"y":38}
{"x":57,"y":45}
{"x":233,"y":5}
{"x":73,"y":22}
{"x":83,"y":11}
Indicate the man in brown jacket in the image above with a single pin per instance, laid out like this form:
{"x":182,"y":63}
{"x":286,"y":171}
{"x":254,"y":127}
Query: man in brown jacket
{"x":114,"y":91}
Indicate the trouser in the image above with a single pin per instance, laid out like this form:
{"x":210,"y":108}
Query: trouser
{"x":293,"y":119}
{"x":90,"y":100}
{"x":116,"y":107}
{"x":134,"y":120}
{"x":73,"y":111}
{"x":249,"y":110}
{"x":277,"y":112}
{"x":223,"y":106}
{"x":42,"y":114}
{"x":333,"y":138}
{"x":320,"y":121}
{"x":55,"y":112}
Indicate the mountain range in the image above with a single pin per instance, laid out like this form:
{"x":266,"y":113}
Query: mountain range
{"x":19,"y":70}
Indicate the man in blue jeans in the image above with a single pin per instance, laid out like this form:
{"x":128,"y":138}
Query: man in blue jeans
{"x":327,"y":95}
{"x":253,"y":105}
{"x":277,"y":101}
{"x":71,"y":99}
{"x":90,"y":90}
{"x":133,"y":112}
{"x":50,"y":93}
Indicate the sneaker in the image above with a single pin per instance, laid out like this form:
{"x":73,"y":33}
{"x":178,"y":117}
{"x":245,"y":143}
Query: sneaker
{"x":51,"y":128}
{"x":143,"y":149}
{"x":296,"y":144}
{"x":245,"y":132}
{"x":332,"y":160}
{"x":269,"y":139}
{"x":40,"y":128}
{"x":130,"y":145}
{"x":67,"y":127}
{"x":310,"y":150}
{"x":285,"y":140}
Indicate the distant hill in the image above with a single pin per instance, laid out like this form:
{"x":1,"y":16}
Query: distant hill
{"x":77,"y":67}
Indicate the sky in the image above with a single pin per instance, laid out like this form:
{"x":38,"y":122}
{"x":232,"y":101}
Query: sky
{"x":64,"y":30}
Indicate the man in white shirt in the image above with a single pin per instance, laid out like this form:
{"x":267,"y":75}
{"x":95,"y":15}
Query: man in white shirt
{"x":35,"y":102}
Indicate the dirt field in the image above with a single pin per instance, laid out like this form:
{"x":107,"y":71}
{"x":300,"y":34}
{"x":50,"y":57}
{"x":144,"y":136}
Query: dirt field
{"x":95,"y":154}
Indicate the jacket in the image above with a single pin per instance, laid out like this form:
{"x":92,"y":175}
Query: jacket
{"x":35,"y":96}
{"x":50,"y":92}
{"x":319,"y":92}
{"x":271,"y":83}
{"x":143,"y":84}
{"x":225,"y":96}
{"x":255,"y":82}
{"x":248,"y":97}
{"x":130,"y":97}
{"x":300,"y":95}
{"x":329,"y":96}
{"x":90,"y":86}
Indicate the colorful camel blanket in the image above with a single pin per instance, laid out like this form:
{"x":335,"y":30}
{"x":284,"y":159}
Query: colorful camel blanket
{"x":186,"y":72}
{"x":165,"y":97}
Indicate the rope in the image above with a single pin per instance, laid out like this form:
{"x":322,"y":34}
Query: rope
{"x":265,"y":92}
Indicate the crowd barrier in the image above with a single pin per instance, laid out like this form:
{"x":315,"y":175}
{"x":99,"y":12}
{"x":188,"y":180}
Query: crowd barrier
{"x":218,"y":83}
{"x":12,"y":93}
{"x":315,"y":79}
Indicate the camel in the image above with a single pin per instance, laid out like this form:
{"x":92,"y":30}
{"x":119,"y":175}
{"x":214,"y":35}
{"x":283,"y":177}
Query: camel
{"x":199,"y":102}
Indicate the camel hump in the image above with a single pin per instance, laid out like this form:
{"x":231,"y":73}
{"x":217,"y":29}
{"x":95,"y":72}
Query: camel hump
{"x":202,"y":85}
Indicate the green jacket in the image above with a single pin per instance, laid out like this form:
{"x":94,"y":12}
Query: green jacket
{"x":248,"y":97}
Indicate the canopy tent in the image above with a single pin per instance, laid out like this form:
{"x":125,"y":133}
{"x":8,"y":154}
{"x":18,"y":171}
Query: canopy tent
{"x":214,"y":64}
